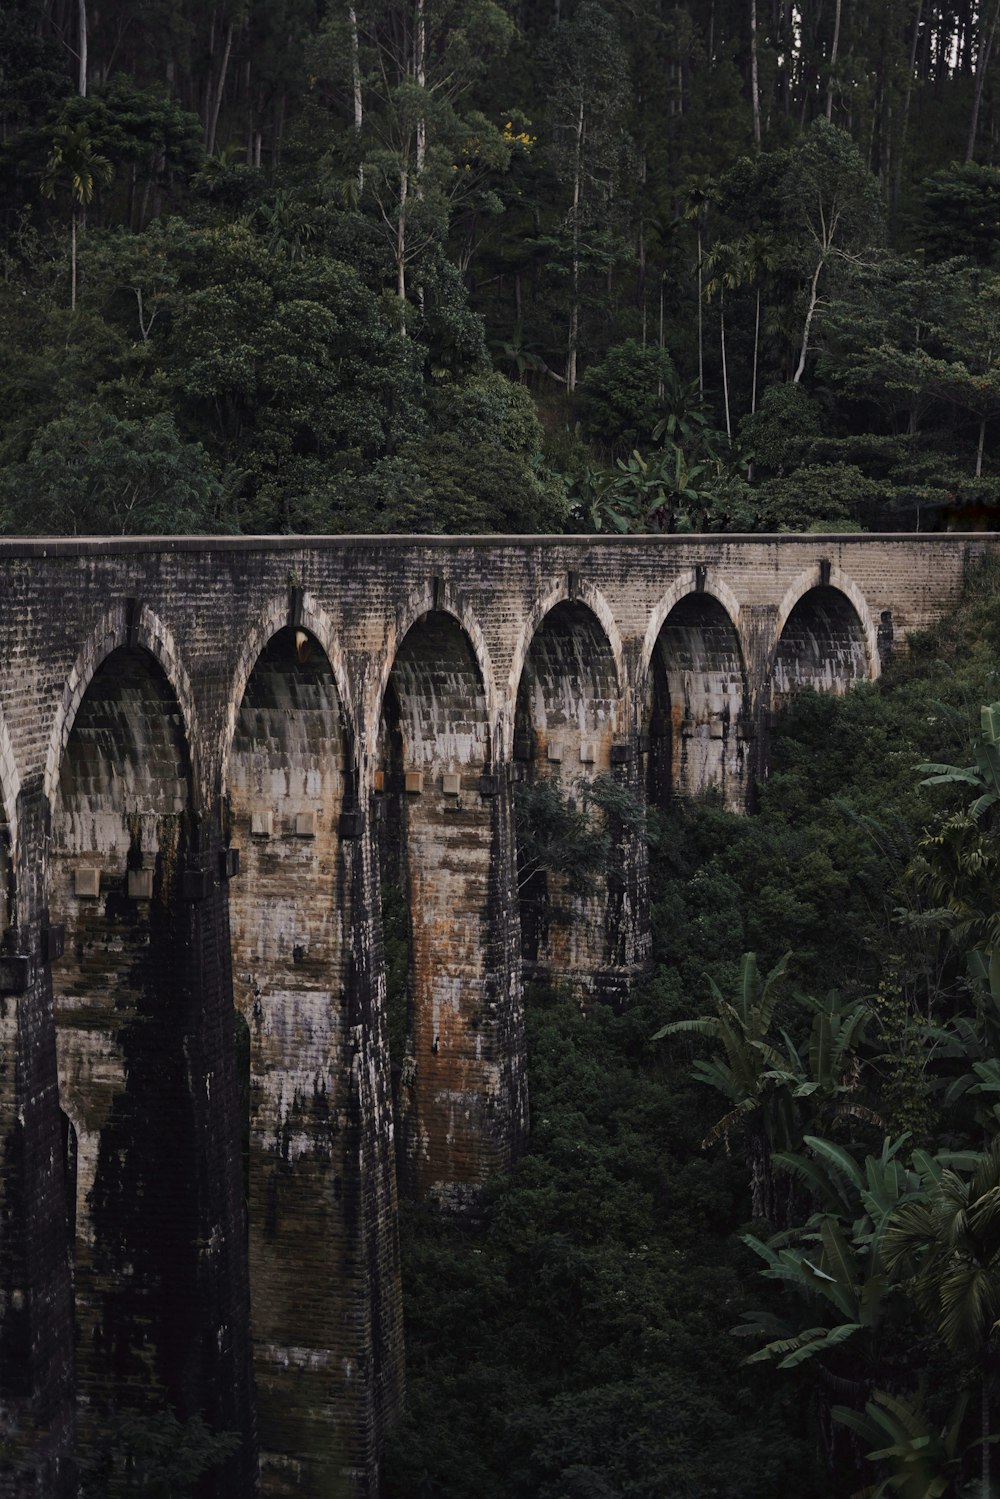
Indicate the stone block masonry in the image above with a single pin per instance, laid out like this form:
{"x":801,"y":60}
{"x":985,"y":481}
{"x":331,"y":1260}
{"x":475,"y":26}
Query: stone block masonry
{"x":213,"y":754}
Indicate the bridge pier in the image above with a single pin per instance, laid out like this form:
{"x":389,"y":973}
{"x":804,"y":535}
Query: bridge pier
{"x":447,"y":845}
{"x":318,"y":1170}
{"x":147,"y":1081}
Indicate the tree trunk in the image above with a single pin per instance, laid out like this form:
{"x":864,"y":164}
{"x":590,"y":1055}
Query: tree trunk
{"x":574,"y":311}
{"x":754,"y":76}
{"x":83,"y":48}
{"x":213,"y":123}
{"x":786,"y":51}
{"x":979,"y":451}
{"x":833,"y":60}
{"x":901,"y":149}
{"x":247,"y":76}
{"x":985,"y":1418}
{"x":982,"y":63}
{"x":359,"y":113}
{"x":662,"y":279}
{"x":813,"y":299}
{"x":756,"y":349}
{"x":761,"y":1178}
{"x":72,"y":262}
{"x":279,"y":131}
{"x":725,"y":371}
{"x":404,"y":185}
{"x":701,"y":331}
{"x":420,"y":73}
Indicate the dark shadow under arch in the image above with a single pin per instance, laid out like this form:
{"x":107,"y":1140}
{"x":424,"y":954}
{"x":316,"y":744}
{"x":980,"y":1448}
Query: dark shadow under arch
{"x":565,"y":722}
{"x":121,"y":832}
{"x":697,"y":705}
{"x":822,"y":646}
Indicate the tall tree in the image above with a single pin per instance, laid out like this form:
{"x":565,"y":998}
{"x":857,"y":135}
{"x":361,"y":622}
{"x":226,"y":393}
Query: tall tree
{"x":832,"y":210}
{"x":73,"y":163}
{"x":587,"y":67}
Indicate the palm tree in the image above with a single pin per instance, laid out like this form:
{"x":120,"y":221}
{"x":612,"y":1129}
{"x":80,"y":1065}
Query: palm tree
{"x":73,"y":157}
{"x":727,"y":269}
{"x":949,"y":1242}
{"x":761,"y":254}
{"x":698,"y":193}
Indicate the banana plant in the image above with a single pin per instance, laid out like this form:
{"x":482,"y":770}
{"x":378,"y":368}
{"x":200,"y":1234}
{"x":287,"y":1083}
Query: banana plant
{"x":926,"y":1460}
{"x":957,"y":862}
{"x":662,"y":493}
{"x":862,"y":1196}
{"x":973,"y":1041}
{"x":984,"y":775}
{"x":832,"y":1276}
{"x":750,"y":1072}
{"x":947,"y":1247}
{"x":827,"y":1073}
{"x":835,"y":1273}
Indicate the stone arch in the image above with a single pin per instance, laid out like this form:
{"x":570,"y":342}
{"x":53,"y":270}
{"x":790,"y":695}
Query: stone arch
{"x":568,"y":710}
{"x":697,"y":700}
{"x":842,"y":583}
{"x":441,"y":694}
{"x":826,"y":638}
{"x":115,"y":631}
{"x":313,"y":619}
{"x":289,"y":770}
{"x":439,"y":597}
{"x":560,"y":592}
{"x":122,"y":818}
{"x":443,"y":865}
{"x":686,"y":583}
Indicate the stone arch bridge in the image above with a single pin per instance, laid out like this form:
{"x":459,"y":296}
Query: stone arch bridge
{"x":222,"y":763}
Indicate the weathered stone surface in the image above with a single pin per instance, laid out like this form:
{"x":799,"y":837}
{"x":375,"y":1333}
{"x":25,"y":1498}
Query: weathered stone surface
{"x":205,"y":1194}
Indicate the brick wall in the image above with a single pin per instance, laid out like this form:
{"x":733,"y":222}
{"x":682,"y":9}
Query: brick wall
{"x":152,"y":698}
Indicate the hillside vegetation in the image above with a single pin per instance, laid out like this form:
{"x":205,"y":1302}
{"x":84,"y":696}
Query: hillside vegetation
{"x":312,"y":265}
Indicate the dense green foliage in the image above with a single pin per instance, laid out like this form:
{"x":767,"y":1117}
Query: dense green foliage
{"x":416,"y":265}
{"x":579,"y":1339}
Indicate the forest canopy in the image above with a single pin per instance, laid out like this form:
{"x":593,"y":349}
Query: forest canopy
{"x":309,"y":265}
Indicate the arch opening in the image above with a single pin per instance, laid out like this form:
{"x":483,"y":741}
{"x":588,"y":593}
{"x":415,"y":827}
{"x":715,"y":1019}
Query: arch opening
{"x":822,"y":646}
{"x":434,"y":811}
{"x":121,"y":831}
{"x":566,"y":717}
{"x":290,"y":913}
{"x":697,"y":704}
